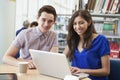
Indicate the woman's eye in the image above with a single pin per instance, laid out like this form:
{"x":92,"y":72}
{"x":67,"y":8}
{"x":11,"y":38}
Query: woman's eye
{"x":81,"y":23}
{"x":74,"y":23}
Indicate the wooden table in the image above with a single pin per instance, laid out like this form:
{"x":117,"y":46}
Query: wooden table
{"x":30,"y":75}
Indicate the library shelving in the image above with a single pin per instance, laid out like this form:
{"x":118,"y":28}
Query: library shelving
{"x":109,"y":25}
{"x":103,"y":6}
{"x":61,"y":28}
{"x":105,"y":15}
{"x":109,"y":22}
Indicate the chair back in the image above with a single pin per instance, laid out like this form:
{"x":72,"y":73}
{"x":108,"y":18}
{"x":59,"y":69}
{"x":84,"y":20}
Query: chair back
{"x":114,"y":69}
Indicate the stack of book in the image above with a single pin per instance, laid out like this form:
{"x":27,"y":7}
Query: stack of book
{"x":104,"y":6}
{"x":114,"y":49}
{"x":106,"y":28}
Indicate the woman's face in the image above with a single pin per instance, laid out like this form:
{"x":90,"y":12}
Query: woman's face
{"x":80,"y":25}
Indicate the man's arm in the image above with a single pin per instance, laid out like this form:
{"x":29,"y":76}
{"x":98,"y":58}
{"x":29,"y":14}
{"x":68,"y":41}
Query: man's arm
{"x":9,"y":57}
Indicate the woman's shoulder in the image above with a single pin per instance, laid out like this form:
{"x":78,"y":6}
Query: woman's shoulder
{"x":99,"y":36}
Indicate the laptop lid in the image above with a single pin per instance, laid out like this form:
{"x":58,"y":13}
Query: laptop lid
{"x":51,"y":64}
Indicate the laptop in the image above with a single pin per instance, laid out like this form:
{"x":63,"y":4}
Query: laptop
{"x":51,"y":64}
{"x":8,"y":76}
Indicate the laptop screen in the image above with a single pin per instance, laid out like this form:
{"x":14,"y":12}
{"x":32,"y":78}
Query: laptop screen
{"x":51,"y":64}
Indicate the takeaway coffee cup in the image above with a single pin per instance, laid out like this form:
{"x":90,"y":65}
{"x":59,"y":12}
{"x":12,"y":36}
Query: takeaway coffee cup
{"x":23,"y":67}
{"x":71,"y":77}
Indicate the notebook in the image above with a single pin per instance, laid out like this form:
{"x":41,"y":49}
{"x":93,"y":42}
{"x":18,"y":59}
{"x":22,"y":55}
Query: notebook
{"x":8,"y":76}
{"x":52,"y":64}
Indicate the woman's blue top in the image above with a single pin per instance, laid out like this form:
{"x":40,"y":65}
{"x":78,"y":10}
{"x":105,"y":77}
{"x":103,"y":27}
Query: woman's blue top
{"x":91,"y":59}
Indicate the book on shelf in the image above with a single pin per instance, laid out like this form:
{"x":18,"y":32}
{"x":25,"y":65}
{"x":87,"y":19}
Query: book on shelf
{"x":92,"y":5}
{"x":110,"y":7}
{"x":114,"y":7}
{"x":97,"y":7}
{"x":118,"y":28}
{"x":98,"y":27}
{"x":114,"y":49}
{"x":104,"y":6}
{"x":88,"y":4}
{"x":106,"y":28}
{"x":108,"y":33}
{"x":118,"y":7}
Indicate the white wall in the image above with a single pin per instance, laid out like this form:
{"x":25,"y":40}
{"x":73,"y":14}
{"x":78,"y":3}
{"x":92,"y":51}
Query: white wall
{"x":28,"y":9}
{"x":7,"y":28}
{"x":21,"y":13}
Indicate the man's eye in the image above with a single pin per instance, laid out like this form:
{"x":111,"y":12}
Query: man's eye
{"x":43,"y":20}
{"x":50,"y":21}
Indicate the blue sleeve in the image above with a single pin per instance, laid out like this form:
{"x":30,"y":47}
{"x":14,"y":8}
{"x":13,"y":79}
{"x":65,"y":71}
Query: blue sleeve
{"x":104,"y":48}
{"x":73,"y":63}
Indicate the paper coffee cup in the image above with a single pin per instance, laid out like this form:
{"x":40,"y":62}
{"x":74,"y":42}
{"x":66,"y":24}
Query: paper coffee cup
{"x":71,"y":77}
{"x":23,"y":67}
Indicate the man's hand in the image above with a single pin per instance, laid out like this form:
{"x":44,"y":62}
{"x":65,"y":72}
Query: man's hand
{"x":30,"y":63}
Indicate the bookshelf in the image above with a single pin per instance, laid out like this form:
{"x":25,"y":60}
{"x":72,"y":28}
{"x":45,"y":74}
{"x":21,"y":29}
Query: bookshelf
{"x":113,"y":19}
{"x":103,"y":6}
{"x":109,"y":23}
{"x":113,"y":37}
{"x":61,"y":28}
{"x":106,"y":15}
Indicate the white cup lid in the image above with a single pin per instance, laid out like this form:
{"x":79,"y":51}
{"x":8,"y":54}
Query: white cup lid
{"x":23,"y":62}
{"x":71,"y":77}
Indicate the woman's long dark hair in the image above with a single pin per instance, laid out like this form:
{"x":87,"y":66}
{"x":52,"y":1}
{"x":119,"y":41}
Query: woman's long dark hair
{"x":73,"y":38}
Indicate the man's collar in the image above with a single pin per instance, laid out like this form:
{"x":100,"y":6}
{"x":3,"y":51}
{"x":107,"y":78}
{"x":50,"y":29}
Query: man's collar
{"x":40,"y":33}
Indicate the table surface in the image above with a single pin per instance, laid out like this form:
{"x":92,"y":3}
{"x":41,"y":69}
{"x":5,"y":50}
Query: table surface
{"x":30,"y":75}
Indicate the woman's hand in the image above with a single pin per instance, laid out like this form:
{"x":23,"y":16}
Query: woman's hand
{"x":75,"y":70}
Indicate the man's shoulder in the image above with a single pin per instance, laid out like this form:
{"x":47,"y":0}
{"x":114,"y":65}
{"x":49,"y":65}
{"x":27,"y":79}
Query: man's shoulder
{"x":29,"y":30}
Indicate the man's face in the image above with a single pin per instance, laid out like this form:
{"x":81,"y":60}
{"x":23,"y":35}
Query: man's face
{"x":45,"y":21}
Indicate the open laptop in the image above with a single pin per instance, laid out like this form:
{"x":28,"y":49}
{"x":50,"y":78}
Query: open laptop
{"x":51,"y":64}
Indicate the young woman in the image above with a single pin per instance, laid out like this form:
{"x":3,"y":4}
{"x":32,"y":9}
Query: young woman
{"x":87,"y":50}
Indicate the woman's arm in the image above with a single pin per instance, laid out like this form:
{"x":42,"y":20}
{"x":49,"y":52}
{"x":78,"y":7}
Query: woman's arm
{"x":66,"y":50}
{"x":104,"y":71}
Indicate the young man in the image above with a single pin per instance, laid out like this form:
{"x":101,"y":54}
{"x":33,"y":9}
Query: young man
{"x":40,"y":38}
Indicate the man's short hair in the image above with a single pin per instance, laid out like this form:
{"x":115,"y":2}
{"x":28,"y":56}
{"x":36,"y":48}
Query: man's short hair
{"x":48,"y":9}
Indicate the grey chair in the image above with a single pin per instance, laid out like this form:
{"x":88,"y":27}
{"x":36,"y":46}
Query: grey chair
{"x":114,"y":69}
